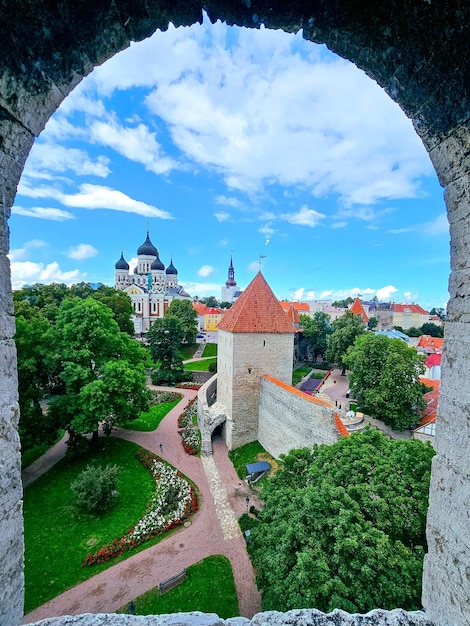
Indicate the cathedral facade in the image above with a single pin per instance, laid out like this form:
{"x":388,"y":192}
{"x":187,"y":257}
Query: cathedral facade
{"x":151,"y":287}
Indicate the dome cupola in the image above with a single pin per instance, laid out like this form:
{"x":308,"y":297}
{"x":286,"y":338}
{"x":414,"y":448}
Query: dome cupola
{"x":171,"y":269}
{"x":147,"y":248}
{"x":157,"y":264}
{"x":122,"y":264}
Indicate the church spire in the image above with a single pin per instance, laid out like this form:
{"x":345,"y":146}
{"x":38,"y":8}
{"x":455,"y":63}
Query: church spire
{"x":231,"y":282}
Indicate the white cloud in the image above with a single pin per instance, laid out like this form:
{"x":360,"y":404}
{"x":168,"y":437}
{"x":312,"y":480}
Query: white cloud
{"x":82,"y":251}
{"x":267,"y":230}
{"x":137,"y":144}
{"x":410,"y":297}
{"x":297,"y":294}
{"x":339,"y":224}
{"x":303,"y":217}
{"x":18,"y":254}
{"x":385,"y":293}
{"x":364,"y":213}
{"x":222,"y":243}
{"x":55,"y":215}
{"x":95,"y":197}
{"x":254,"y":266}
{"x":27,"y":273}
{"x":229,"y":201}
{"x":201,"y":289}
{"x":439,"y":226}
{"x":48,"y":158}
{"x":222,"y":216}
{"x":205,"y":271}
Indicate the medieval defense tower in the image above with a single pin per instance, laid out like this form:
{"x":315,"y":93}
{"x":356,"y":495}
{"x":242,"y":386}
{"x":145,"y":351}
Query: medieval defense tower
{"x":255,"y":338}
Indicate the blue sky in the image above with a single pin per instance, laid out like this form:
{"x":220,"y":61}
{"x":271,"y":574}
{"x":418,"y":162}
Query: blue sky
{"x":227,"y":140}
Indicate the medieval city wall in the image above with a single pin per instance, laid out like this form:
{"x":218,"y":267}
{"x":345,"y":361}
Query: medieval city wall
{"x":289,"y":418}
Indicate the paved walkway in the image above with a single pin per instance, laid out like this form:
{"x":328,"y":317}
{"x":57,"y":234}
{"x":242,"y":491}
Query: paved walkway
{"x":213,"y":530}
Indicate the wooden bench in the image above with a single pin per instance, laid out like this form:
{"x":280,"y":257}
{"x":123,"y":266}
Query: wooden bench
{"x":168,"y":584}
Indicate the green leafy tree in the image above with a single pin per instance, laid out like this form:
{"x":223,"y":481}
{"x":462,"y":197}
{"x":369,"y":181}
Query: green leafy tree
{"x":343,"y":526}
{"x":413,"y":332}
{"x":343,"y":303}
{"x":432,"y":329}
{"x":164,"y":338}
{"x":439,"y":311}
{"x":225,"y":305}
{"x":345,"y":331}
{"x":372,"y":323}
{"x":315,"y":332}
{"x":95,"y":489}
{"x":186,"y":314}
{"x":384,"y":378}
{"x":210,"y":301}
{"x":101,"y":367}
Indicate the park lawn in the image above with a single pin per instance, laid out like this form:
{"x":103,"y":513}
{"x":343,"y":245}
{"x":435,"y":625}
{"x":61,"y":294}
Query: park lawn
{"x":199,"y":366}
{"x":299,"y":373}
{"x":58,"y":537}
{"x":149,"y":420}
{"x":249,"y":453}
{"x":210,"y":349}
{"x":187,"y":351}
{"x":209,"y":587}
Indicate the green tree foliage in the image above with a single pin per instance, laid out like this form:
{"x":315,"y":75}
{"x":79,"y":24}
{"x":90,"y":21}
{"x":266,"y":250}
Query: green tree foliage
{"x":372,"y":323}
{"x":101,"y":367}
{"x":164,"y":338}
{"x":345,"y":331}
{"x":225,"y":305}
{"x":439,"y":311}
{"x":343,"y":303}
{"x":384,"y":378}
{"x":95,"y":489}
{"x":210,"y":301}
{"x":432,"y":329}
{"x":343,"y":526}
{"x":315,"y":332}
{"x":186,"y":314}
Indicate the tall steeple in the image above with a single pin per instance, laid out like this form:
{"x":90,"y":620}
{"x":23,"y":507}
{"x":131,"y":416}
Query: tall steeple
{"x":231,"y":282}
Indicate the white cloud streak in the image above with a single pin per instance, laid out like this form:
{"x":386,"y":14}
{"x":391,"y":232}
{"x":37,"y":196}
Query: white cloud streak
{"x":82,"y":251}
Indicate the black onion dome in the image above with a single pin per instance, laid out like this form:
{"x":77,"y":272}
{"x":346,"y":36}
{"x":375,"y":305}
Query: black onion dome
{"x":147,"y":248}
{"x":171,"y":269}
{"x":122,"y":264}
{"x":157,"y":264}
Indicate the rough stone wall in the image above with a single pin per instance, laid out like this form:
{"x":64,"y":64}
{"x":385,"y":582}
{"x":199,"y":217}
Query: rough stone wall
{"x":417,"y":51}
{"x":446,"y":577}
{"x":290,"y":419}
{"x":242,"y":359}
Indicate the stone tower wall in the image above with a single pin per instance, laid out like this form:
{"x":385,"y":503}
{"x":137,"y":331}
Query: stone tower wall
{"x":242,"y":359}
{"x":289,"y":419}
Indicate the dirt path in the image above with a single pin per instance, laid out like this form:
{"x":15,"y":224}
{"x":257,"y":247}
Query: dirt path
{"x":212,"y":531}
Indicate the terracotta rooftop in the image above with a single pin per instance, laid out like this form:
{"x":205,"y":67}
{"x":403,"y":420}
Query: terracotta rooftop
{"x":343,"y":431}
{"x":257,"y":310}
{"x":358,"y":309}
{"x":292,"y":315}
{"x":296,"y":392}
{"x":413,"y":308}
{"x":298,"y":306}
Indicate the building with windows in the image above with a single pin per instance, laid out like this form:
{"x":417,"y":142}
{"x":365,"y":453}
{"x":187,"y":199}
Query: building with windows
{"x":230,"y":292}
{"x":151,"y":287}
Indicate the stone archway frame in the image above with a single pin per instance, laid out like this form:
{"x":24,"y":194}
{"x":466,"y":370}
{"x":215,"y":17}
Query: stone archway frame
{"x":417,"y":50}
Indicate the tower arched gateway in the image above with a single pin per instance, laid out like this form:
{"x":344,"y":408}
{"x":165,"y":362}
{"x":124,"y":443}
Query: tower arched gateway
{"x":417,"y":50}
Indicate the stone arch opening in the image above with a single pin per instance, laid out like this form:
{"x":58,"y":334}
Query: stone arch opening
{"x":416,"y":51}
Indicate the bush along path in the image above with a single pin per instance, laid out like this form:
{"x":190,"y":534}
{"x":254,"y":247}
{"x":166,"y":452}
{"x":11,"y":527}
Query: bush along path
{"x":198,"y":538}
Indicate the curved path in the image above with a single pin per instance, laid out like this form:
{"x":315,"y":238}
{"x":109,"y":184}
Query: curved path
{"x":213,"y":530}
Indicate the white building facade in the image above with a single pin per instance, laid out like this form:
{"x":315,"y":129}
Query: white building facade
{"x":151,"y":287}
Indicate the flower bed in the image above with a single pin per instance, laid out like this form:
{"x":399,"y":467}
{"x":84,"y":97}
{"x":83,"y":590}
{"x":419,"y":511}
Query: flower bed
{"x":173,"y":501}
{"x":191,"y":438}
{"x":189,"y":385}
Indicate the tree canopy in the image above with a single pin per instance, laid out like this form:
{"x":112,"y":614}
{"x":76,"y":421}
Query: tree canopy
{"x":102,"y":368}
{"x":384,"y":379}
{"x":186,"y":314}
{"x":315,"y":331}
{"x":343,"y":526}
{"x":345,"y":330}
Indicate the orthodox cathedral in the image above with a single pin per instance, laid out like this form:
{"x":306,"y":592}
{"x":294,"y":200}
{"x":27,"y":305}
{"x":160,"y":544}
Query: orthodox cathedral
{"x":151,"y":287}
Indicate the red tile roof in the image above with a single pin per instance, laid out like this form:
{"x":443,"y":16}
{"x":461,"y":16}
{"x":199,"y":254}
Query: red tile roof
{"x":298,"y":306}
{"x":429,"y":414}
{"x":343,"y":431}
{"x":257,"y":310}
{"x":201,"y":308}
{"x":414,"y":308}
{"x":358,"y":309}
{"x":292,"y":315}
{"x":433,"y":359}
{"x":430,"y":344}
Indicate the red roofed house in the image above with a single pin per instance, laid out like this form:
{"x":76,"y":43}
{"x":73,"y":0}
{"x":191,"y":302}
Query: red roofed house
{"x":251,"y":397}
{"x":433,"y":366}
{"x":430,"y":345}
{"x":409,"y":316}
{"x":427,"y":428}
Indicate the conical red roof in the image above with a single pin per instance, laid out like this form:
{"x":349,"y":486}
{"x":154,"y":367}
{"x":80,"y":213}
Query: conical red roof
{"x":358,"y":309}
{"x":257,"y":310}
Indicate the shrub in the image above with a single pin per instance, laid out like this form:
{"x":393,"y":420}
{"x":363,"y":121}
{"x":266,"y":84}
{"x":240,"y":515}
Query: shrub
{"x":170,"y":377}
{"x":95,"y":488}
{"x":213,"y":367}
{"x":160,"y":397}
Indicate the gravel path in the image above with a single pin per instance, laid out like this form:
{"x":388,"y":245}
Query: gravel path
{"x":213,"y":529}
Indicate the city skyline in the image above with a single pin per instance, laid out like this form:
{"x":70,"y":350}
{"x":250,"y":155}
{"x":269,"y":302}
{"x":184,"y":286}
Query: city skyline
{"x":245,"y":143}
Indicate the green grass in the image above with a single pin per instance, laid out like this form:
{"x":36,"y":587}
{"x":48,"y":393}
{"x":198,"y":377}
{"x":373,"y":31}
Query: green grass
{"x":209,"y":587}
{"x":199,"y":366}
{"x":33,"y":454}
{"x":187,"y":352}
{"x":149,"y":420}
{"x":299,"y":373}
{"x":247,"y":454}
{"x":58,"y":537}
{"x":210,"y":349}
